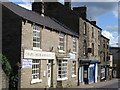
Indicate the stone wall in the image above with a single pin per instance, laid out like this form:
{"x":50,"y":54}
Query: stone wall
{"x":4,"y":80}
{"x":49,"y":39}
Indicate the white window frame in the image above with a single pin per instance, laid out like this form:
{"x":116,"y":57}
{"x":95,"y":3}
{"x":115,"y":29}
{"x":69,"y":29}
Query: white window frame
{"x":61,"y":42}
{"x":36,"y":36}
{"x":62,"y":68}
{"x":74,"y":45}
{"x":36,"y":71}
{"x":73,"y":68}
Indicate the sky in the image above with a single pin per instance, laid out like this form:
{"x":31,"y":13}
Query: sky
{"x":104,"y":12}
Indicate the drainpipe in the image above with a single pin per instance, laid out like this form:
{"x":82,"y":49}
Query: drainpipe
{"x":78,"y":71}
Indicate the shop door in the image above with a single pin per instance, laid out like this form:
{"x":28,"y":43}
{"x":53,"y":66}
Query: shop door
{"x":49,"y":72}
{"x":86,"y":74}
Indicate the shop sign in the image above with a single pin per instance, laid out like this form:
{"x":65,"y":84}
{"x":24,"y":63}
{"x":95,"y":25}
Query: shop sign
{"x":32,"y":54}
{"x":72,"y":56}
{"x":26,"y":63}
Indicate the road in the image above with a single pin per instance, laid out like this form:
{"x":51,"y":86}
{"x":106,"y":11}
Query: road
{"x":112,"y":85}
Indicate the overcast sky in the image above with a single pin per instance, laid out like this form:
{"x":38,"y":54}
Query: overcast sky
{"x":105,"y":12}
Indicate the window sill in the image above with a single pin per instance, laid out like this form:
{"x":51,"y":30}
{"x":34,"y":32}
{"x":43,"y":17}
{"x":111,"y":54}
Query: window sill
{"x":34,"y":48}
{"x":62,"y":79}
{"x":73,"y":75}
{"x":74,"y":52}
{"x":36,"y":81}
{"x":61,"y":51}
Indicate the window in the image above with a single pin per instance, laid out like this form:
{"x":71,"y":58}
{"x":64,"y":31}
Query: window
{"x":104,"y":56}
{"x":61,"y":41}
{"x":36,"y":69}
{"x":73,"y":67}
{"x":92,"y":32}
{"x":85,"y":48}
{"x":36,"y":36}
{"x":74,"y":44}
{"x":62,"y":69}
{"x":92,"y":49}
{"x":84,"y":28}
{"x":98,"y":35}
{"x":107,"y":45}
{"x":98,"y":50}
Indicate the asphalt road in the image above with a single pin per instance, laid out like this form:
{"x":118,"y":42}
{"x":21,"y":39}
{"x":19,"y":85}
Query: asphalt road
{"x":113,"y":85}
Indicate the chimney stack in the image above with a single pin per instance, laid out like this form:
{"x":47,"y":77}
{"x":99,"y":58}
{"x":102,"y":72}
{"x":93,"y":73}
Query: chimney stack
{"x":67,"y":3}
{"x":81,"y":11}
{"x":94,"y":22}
{"x":38,"y":6}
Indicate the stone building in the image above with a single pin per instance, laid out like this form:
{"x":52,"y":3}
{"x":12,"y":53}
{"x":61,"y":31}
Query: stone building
{"x":115,"y":51}
{"x":45,"y":50}
{"x":89,"y":35}
{"x":105,"y":58}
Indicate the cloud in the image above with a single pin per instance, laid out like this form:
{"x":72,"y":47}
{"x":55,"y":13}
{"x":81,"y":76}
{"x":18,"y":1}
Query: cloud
{"x":96,"y":9}
{"x":112,"y":29}
{"x":26,"y":5}
{"x":113,"y":40}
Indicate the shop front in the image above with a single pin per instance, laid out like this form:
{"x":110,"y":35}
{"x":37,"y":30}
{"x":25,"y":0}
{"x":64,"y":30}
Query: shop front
{"x":88,"y":71}
{"x":105,"y":72}
{"x":37,"y":69}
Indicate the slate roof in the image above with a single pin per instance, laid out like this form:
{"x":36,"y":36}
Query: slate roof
{"x":36,"y":18}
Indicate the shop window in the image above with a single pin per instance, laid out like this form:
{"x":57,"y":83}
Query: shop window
{"x":85,"y":28}
{"x":74,"y":44}
{"x":73,"y":68}
{"x":61,"y":41}
{"x":36,"y":36}
{"x":36,"y":69}
{"x":62,"y":69}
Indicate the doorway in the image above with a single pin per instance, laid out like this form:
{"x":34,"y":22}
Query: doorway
{"x":86,"y":74}
{"x":49,"y":72}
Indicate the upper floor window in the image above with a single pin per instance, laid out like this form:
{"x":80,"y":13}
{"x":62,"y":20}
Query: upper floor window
{"x":85,"y":48}
{"x":92,"y":32}
{"x":92,"y":49}
{"x":74,"y":44}
{"x":98,"y":50}
{"x":84,"y":28}
{"x":36,"y":36}
{"x":98,"y":35}
{"x":61,"y":41}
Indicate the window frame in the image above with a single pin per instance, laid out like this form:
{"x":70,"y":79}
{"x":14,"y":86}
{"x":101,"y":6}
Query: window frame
{"x":36,"y":37}
{"x":62,"y":76}
{"x":74,"y":46}
{"x":61,"y":42}
{"x":36,"y":63}
{"x":73,"y":68}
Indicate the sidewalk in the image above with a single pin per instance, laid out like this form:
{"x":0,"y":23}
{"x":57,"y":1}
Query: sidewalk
{"x":98,"y":84}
